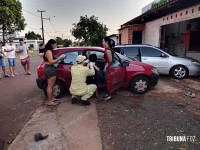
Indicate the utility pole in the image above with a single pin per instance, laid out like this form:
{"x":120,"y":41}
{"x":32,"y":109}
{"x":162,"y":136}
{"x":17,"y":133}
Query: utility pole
{"x":41,"y":11}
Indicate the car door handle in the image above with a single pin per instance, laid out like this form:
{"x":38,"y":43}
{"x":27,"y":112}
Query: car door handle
{"x":144,"y":59}
{"x":113,"y":74}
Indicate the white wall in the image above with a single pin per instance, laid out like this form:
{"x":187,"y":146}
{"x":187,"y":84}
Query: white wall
{"x":153,"y":28}
{"x":151,"y":34}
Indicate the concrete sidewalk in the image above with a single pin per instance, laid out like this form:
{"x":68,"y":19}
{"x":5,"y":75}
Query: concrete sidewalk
{"x":70,"y":127}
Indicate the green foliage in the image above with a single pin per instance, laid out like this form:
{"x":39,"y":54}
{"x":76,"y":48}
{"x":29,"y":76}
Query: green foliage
{"x":59,"y":41}
{"x":33,"y":36}
{"x":67,"y":42}
{"x":89,"y":31}
{"x":11,"y":16}
{"x":155,"y":5}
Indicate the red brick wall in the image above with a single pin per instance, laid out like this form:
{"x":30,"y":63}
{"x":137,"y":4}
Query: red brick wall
{"x":127,"y":33}
{"x":124,"y":36}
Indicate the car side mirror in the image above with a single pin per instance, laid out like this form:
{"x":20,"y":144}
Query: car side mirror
{"x":125,"y":63}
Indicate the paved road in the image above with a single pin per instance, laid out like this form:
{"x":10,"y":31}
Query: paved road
{"x":19,"y":98}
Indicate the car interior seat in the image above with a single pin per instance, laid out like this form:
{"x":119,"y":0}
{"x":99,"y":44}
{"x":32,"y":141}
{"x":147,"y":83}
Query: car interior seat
{"x":99,"y":75}
{"x":93,"y":57}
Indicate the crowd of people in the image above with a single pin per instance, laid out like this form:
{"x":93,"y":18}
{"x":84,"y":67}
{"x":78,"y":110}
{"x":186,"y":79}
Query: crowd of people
{"x":9,"y":52}
{"x":79,"y":89}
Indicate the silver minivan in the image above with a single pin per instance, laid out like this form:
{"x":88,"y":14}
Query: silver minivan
{"x":177,"y":67}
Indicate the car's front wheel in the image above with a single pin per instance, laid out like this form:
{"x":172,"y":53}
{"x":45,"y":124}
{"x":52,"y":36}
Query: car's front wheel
{"x":59,"y":89}
{"x":140,"y":85}
{"x":179,"y":72}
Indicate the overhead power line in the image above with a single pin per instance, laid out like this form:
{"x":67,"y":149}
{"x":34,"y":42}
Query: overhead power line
{"x":33,"y":28}
{"x":48,"y":34}
{"x":31,"y":13}
{"x":52,"y":25}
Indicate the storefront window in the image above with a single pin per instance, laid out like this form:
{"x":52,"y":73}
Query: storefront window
{"x":194,"y":41}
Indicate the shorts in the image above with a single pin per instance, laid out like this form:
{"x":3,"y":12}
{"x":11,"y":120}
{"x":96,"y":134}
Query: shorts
{"x":25,"y":61}
{"x":50,"y":71}
{"x":2,"y":62}
{"x":11,"y":62}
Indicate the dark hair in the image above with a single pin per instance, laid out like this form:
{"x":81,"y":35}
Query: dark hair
{"x":41,"y":44}
{"x":21,"y":39}
{"x":10,"y":39}
{"x":93,"y":57}
{"x":111,"y":42}
{"x":48,"y":45}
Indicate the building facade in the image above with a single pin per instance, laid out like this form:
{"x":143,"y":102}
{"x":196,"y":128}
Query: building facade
{"x":173,"y":26}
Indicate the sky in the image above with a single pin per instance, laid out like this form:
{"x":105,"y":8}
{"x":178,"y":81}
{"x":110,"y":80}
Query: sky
{"x":112,"y":13}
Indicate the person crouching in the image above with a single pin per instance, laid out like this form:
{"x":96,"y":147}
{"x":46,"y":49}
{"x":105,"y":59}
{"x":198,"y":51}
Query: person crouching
{"x":78,"y":87}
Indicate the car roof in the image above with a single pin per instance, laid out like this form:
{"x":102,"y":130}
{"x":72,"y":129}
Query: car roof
{"x":133,"y":45}
{"x":80,"y":48}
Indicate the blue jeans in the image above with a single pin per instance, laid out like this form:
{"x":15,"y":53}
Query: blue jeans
{"x":11,"y":62}
{"x":2,"y":62}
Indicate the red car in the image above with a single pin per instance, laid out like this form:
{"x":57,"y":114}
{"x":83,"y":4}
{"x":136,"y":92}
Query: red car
{"x":123,"y":72}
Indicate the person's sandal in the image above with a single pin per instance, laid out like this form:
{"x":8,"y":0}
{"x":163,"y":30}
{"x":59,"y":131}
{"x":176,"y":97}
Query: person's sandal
{"x":52,"y":104}
{"x":105,"y":96}
{"x":85,"y":102}
{"x":98,"y":97}
{"x":56,"y":99}
{"x":6,"y":75}
{"x":74,"y":100}
{"x":108,"y":98}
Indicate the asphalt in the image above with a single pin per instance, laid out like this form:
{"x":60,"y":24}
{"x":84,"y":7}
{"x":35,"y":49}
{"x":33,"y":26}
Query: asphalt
{"x":68,"y":126}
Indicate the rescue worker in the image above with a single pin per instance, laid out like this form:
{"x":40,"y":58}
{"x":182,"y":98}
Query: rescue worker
{"x":78,"y":87}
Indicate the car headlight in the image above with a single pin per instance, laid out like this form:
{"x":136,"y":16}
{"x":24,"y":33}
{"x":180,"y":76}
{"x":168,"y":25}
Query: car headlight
{"x":155,"y":71}
{"x":195,"y":62}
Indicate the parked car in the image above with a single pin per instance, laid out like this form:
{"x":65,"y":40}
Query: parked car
{"x":123,"y":72}
{"x":177,"y":67}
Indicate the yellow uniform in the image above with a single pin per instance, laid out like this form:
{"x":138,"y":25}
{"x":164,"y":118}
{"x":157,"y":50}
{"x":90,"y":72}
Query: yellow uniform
{"x":78,"y":85}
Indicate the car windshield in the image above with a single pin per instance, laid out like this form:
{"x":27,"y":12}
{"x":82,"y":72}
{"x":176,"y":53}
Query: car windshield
{"x":124,"y":58}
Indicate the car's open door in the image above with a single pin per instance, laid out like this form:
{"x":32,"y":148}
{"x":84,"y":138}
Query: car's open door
{"x":116,"y":74}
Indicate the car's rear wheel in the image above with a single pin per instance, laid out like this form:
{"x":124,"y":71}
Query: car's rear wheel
{"x":179,"y":72}
{"x":140,"y":85}
{"x":59,"y":89}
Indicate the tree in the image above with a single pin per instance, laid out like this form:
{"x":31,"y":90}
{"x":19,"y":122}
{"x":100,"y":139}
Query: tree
{"x":89,"y":31}
{"x":11,"y":17}
{"x":33,"y":36}
{"x":59,"y":41}
{"x":67,"y":42}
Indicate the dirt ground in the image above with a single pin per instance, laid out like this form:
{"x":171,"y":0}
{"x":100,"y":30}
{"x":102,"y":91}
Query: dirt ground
{"x":143,"y":122}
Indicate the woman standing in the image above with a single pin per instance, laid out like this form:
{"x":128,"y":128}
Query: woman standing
{"x":108,"y":44}
{"x":50,"y":69}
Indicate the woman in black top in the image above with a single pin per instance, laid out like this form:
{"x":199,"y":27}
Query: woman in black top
{"x":50,"y":69}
